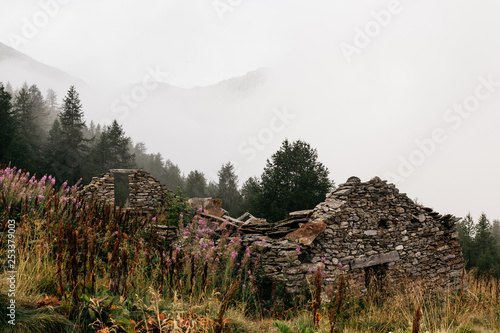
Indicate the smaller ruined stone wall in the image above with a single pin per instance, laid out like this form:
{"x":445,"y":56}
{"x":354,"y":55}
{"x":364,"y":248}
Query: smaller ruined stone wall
{"x":145,"y":191}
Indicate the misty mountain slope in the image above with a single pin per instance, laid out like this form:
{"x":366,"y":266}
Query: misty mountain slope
{"x":17,"y":67}
{"x":225,"y":114}
{"x":230,"y":101}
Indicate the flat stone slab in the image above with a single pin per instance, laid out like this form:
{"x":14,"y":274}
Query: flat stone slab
{"x":307,"y":233}
{"x":129,"y":171}
{"x":301,"y":213}
{"x":376,"y":259}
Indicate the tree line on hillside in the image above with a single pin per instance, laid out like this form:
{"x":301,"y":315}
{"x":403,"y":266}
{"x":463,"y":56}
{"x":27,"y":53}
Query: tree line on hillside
{"x":44,"y":137}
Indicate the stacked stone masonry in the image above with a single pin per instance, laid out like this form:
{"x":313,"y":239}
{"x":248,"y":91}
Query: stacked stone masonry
{"x":145,"y":191}
{"x":362,"y":227}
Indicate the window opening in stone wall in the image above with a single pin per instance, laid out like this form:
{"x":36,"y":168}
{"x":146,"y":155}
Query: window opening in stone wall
{"x":122,"y":190}
{"x":375,"y":277}
{"x":382,"y":223}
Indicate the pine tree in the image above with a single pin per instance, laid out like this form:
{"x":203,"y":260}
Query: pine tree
{"x":212,"y":190}
{"x":119,"y":146}
{"x":8,"y":88}
{"x":74,"y":149}
{"x":53,"y":150}
{"x":173,"y":176}
{"x":484,"y":245}
{"x":495,"y":230}
{"x":27,"y":141}
{"x":466,"y":233}
{"x":24,"y":114}
{"x":228,"y":189}
{"x":293,"y":179}
{"x":41,"y":111}
{"x":251,"y":191}
{"x":155,"y":166}
{"x":52,"y":106}
{"x":7,"y":124}
{"x":111,"y":150}
{"x":196,"y":185}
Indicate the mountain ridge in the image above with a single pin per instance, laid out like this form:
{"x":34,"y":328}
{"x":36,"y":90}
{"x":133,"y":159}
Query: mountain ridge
{"x":17,"y":67}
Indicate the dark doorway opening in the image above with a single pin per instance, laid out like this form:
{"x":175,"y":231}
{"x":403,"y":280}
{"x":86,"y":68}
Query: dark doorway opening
{"x":122,"y":189}
{"x":375,"y":277}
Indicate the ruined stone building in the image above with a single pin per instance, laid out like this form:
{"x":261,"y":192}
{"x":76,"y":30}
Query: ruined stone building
{"x":366,"y":230}
{"x":135,"y":189}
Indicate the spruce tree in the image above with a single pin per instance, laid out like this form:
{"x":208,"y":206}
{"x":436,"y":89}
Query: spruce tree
{"x":212,"y":190}
{"x":8,"y":88}
{"x":119,"y":146}
{"x":52,"y":106}
{"x":27,"y":141}
{"x":173,"y":177}
{"x":41,"y":111}
{"x":111,"y":150}
{"x":484,"y":246}
{"x":251,"y":191}
{"x":74,"y":146}
{"x":53,"y":150}
{"x":228,"y":189}
{"x":496,"y":234}
{"x":466,"y":232}
{"x":196,"y":185}
{"x":292,"y":180}
{"x":7,"y":124}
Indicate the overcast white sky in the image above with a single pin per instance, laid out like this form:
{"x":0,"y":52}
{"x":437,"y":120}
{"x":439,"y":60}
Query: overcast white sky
{"x":364,"y":112}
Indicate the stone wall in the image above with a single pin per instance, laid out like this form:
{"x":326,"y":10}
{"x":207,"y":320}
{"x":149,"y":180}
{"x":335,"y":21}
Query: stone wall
{"x":363,"y":229}
{"x":145,"y":191}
